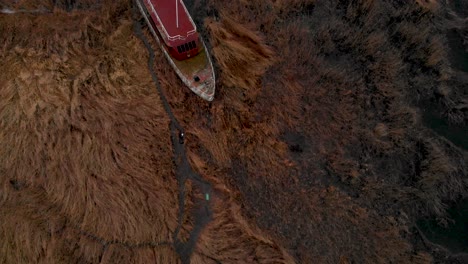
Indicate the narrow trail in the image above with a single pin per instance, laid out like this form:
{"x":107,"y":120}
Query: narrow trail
{"x":184,"y":171}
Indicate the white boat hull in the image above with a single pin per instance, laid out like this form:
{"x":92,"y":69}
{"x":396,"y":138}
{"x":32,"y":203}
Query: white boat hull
{"x":197,"y":73}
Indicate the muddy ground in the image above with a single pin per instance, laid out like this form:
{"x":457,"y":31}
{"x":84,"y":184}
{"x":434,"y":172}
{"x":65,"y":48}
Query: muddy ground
{"x":315,"y":149}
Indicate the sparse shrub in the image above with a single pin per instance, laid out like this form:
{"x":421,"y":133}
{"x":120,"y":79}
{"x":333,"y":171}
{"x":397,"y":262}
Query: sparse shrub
{"x":381,"y":130}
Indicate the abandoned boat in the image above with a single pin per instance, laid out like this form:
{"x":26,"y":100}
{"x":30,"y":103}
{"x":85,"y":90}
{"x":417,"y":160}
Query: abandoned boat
{"x":176,"y":34}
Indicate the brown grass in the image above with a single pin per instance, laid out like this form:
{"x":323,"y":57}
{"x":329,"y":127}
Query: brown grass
{"x":86,"y":154}
{"x":431,"y":5}
{"x":75,"y":135}
{"x":241,"y":242}
{"x":239,"y":52}
{"x":334,"y":82}
{"x":86,"y":158}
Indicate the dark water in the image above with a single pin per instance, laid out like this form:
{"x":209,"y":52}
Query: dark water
{"x":455,"y":236}
{"x":457,"y":134}
{"x":458,"y":56}
{"x":184,"y":172}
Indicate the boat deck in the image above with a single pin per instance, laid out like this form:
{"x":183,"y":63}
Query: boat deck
{"x":173,"y":17}
{"x":196,"y":72}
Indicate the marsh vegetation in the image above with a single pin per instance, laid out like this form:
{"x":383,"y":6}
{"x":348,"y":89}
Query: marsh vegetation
{"x":315,"y":145}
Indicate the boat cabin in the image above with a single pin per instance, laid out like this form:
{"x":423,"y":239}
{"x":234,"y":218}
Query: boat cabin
{"x":175,"y":27}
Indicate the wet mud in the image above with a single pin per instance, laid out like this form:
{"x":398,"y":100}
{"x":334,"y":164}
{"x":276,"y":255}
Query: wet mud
{"x":184,"y":170}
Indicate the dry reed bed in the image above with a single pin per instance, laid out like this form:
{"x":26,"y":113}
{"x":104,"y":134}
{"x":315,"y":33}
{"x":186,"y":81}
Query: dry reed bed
{"x":339,"y":76}
{"x":86,"y":160}
{"x":343,"y":77}
{"x":81,"y":140}
{"x":229,"y":238}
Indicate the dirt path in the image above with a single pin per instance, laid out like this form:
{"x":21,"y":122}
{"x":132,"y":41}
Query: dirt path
{"x":184,"y":170}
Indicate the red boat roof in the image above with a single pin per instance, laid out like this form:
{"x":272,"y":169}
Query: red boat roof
{"x":173,"y":17}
